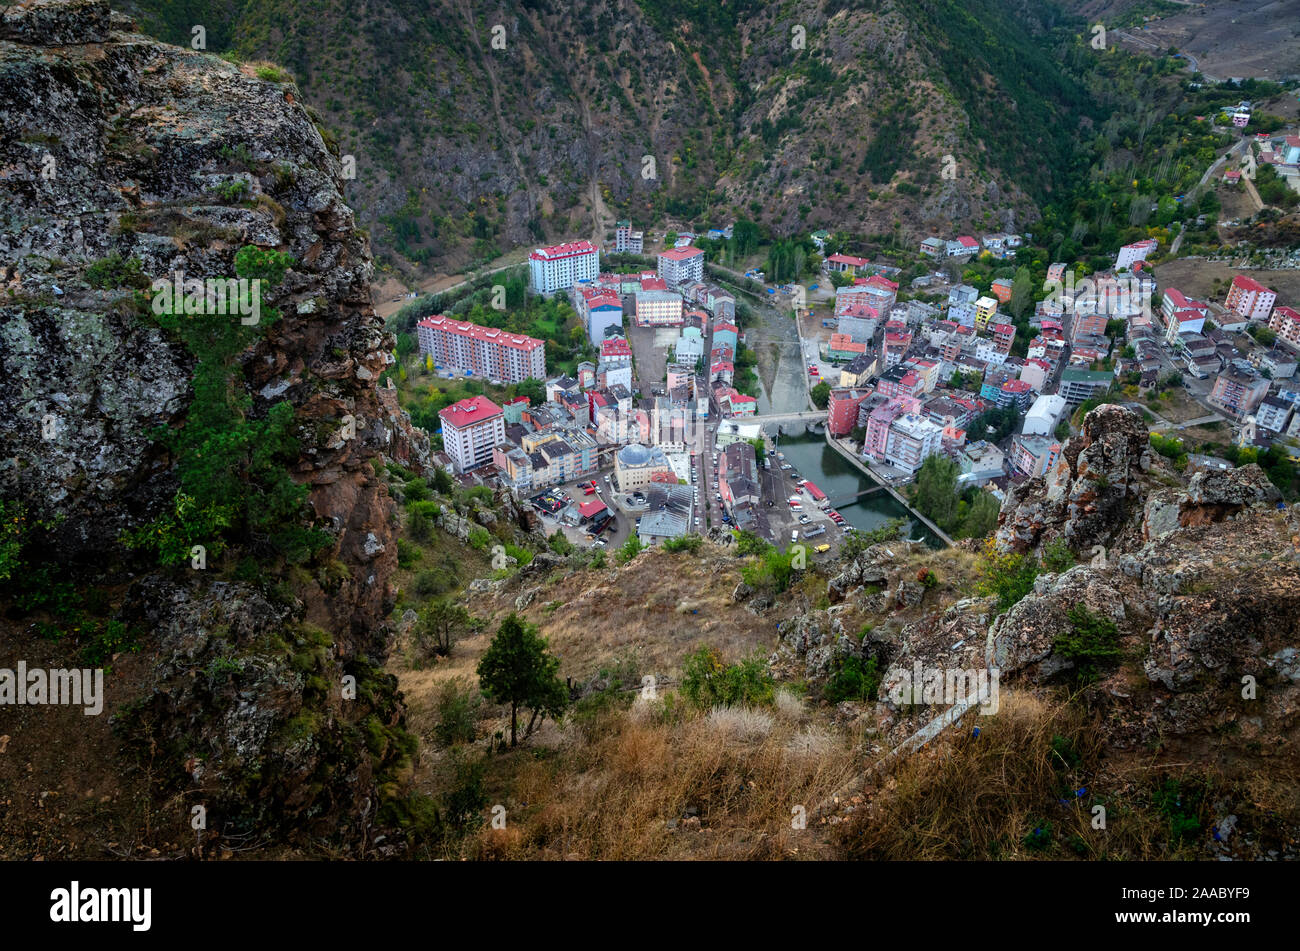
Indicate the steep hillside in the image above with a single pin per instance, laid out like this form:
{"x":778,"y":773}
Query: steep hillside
{"x":190,"y":499}
{"x":711,"y":699}
{"x":476,"y":129}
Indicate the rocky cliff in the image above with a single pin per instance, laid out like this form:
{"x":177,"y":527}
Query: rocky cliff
{"x":124,"y":161}
{"x":1170,"y":604}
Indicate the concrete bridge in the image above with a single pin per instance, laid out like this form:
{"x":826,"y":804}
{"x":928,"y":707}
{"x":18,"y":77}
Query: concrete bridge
{"x":811,"y":416}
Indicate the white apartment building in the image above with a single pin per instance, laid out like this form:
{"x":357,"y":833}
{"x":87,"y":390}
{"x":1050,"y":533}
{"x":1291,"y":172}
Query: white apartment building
{"x":680,"y":266}
{"x":627,"y":241}
{"x":1137,"y":251}
{"x":912,"y":437}
{"x":467,"y":348}
{"x":470,"y":430}
{"x":560,"y":266}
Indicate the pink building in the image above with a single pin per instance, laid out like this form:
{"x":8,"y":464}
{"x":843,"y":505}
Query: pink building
{"x":1250,"y":299}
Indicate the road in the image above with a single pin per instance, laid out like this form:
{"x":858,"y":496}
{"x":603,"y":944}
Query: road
{"x":1209,"y":173}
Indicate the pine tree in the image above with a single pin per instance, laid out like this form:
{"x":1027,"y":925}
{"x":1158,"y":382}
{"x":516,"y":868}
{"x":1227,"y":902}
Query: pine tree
{"x":517,"y":669}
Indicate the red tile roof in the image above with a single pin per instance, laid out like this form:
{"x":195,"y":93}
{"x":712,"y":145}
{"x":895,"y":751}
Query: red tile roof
{"x":557,"y":251}
{"x":490,"y":334}
{"x":588,"y":509}
{"x":474,"y":409}
{"x":1250,"y":284}
{"x":681,"y":254}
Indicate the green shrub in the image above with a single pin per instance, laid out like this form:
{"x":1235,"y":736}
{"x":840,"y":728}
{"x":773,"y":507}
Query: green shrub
{"x":114,"y":271}
{"x":689,"y":543}
{"x":1057,"y":556}
{"x":407,"y":554}
{"x":1091,"y":639}
{"x":853,"y":678}
{"x":708,"y":682}
{"x":1007,"y":575}
{"x":456,"y":710}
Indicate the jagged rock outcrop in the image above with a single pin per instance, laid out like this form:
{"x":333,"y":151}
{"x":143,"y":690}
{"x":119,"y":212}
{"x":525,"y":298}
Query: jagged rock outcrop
{"x":116,"y":149}
{"x":1086,"y":497}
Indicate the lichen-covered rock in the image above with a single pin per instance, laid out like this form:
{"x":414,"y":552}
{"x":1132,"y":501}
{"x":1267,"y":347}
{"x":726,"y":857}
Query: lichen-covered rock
{"x":115,"y":147}
{"x":1085,"y":498}
{"x":1025,"y":634}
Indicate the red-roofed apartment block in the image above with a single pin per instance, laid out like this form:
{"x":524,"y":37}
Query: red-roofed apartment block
{"x":680,"y":266}
{"x":1249,"y":298}
{"x":470,"y":429}
{"x":561,"y":266}
{"x":1285,"y":322}
{"x":481,"y":351}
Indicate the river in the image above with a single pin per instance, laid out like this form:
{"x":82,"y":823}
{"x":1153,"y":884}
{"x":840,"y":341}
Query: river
{"x":837,"y":477}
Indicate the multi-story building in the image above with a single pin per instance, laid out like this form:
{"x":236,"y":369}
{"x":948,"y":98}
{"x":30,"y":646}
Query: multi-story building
{"x":471,"y":429}
{"x":985,"y":308}
{"x":912,"y":438}
{"x":1043,"y":416}
{"x":961,"y":305}
{"x":1285,"y":322}
{"x":1137,"y":251}
{"x":1003,"y":336}
{"x":895,"y":343}
{"x":878,"y":423}
{"x":879,"y":292}
{"x":680,"y":266}
{"x":481,"y":351}
{"x":635,"y":466}
{"x":1273,"y":414}
{"x":980,"y":462}
{"x":1078,"y":385}
{"x":600,"y":310}
{"x":627,"y":241}
{"x":616,"y":351}
{"x":1238,"y":390}
{"x":560,"y":266}
{"x":1249,"y":298}
{"x":658,"y":308}
{"x":842,"y":412}
{"x":1034,"y":455}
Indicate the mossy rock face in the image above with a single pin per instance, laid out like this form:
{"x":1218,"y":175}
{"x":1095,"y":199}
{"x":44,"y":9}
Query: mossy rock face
{"x":272,"y":742}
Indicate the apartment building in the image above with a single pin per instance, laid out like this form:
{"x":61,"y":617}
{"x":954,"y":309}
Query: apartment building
{"x":1137,"y":251}
{"x":1285,"y":322}
{"x":912,"y":438}
{"x":560,"y":266}
{"x":1034,"y":455}
{"x":679,"y":266}
{"x":1249,"y":298}
{"x":658,"y":308}
{"x":1238,"y":390}
{"x":471,"y":429}
{"x":481,"y":351}
{"x":627,"y":241}
{"x":1078,"y":385}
